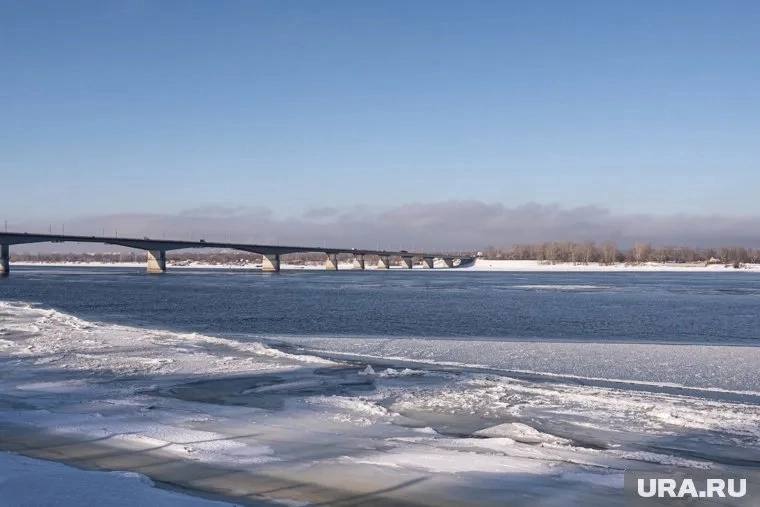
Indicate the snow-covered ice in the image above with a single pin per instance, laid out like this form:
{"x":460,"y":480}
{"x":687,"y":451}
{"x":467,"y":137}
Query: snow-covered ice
{"x":694,"y":367}
{"x":442,"y":422}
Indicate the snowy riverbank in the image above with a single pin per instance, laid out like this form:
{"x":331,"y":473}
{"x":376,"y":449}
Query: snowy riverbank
{"x":479,"y":265}
{"x":539,"y":266}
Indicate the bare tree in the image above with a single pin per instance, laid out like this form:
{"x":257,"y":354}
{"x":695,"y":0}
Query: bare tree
{"x":641,"y":252}
{"x":609,"y":252}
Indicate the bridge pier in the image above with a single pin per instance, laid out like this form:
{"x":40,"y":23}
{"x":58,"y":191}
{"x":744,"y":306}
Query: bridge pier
{"x":427,"y":262}
{"x":358,"y":261}
{"x":383,"y":262}
{"x":156,"y":261}
{"x":331,"y":264}
{"x":449,"y":262}
{"x":270,"y":263}
{"x":5,"y":260}
{"x":408,"y":262}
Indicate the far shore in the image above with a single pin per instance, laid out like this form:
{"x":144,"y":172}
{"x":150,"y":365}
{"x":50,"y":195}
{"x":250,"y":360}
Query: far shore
{"x":480,"y":265}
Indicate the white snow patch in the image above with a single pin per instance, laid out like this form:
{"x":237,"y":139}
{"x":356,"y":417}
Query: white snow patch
{"x":520,"y":433}
{"x":369,"y":370}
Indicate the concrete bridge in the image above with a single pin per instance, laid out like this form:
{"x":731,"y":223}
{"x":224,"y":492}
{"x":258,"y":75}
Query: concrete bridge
{"x":157,"y":248}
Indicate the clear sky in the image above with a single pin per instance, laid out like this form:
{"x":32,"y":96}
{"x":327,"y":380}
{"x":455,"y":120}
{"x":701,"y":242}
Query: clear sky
{"x":111,"y":107}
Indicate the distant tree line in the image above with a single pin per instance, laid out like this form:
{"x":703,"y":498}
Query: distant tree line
{"x":608,"y":253}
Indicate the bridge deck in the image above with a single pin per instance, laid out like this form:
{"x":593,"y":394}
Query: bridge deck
{"x":16,"y":238}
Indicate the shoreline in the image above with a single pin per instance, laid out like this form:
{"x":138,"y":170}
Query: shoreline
{"x":481,"y":265}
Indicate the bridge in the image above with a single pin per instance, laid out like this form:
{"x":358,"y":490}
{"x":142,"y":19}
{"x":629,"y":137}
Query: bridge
{"x":157,"y":248}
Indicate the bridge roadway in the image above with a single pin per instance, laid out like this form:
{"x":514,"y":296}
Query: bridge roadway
{"x":157,"y":248}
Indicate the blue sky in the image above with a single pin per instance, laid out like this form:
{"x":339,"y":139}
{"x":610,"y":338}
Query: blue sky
{"x":114,"y":107}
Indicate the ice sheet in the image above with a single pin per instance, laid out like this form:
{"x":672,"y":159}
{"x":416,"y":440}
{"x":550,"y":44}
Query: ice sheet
{"x":324,"y":428}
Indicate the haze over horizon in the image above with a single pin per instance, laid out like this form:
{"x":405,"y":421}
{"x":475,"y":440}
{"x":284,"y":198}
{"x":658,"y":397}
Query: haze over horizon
{"x":428,"y":124}
{"x":449,"y":225}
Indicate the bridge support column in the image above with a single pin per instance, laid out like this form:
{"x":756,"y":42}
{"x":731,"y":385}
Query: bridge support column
{"x":270,"y":263}
{"x":5,"y":260}
{"x":449,"y":262}
{"x":358,"y":261}
{"x":383,"y":262}
{"x":427,"y":262}
{"x":408,"y":262}
{"x":156,"y":261}
{"x":331,"y":264}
